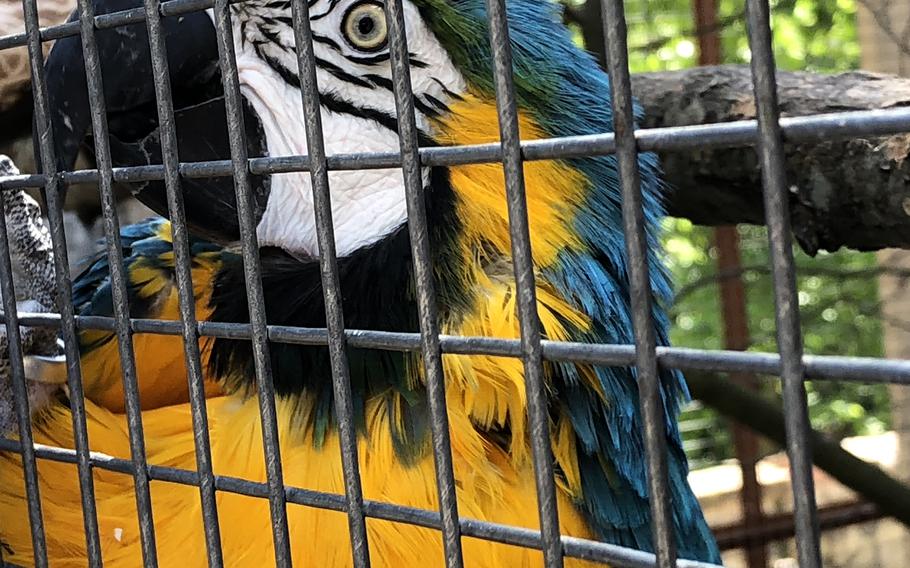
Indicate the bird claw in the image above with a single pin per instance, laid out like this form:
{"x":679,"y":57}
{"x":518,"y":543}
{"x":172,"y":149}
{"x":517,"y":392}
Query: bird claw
{"x":31,"y":255}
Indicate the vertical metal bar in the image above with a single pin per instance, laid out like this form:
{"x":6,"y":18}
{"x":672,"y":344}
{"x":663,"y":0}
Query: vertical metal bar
{"x":529,"y":322}
{"x":331,"y":287}
{"x":54,"y":203}
{"x":253,"y":280}
{"x":637,"y":250}
{"x":118,"y":282}
{"x":20,"y":394}
{"x":789,"y":338}
{"x":427,"y":306}
{"x":183,"y":274}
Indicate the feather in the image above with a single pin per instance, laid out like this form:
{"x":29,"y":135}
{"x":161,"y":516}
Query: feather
{"x":151,"y":293}
{"x":579,"y":252}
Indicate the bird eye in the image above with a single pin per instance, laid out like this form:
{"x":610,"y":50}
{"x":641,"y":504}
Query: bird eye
{"x":364,"y":26}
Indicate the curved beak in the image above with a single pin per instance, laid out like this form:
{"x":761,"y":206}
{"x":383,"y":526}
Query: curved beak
{"x":129,"y":96}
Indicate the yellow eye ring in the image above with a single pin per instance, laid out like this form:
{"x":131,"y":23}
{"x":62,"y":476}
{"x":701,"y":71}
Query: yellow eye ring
{"x":364,"y":26}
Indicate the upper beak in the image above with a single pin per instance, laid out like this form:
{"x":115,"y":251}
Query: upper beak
{"x":130,"y":102}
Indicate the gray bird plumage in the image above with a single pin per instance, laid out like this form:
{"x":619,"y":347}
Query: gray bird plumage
{"x":32,"y":258}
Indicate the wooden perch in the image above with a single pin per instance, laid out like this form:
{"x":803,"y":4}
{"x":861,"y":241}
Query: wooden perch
{"x":852,"y":193}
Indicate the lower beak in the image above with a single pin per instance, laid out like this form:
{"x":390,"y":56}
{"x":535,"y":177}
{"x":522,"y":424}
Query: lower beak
{"x":45,"y":369}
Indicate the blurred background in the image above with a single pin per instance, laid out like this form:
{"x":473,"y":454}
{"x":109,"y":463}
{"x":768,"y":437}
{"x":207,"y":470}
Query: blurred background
{"x":852,"y":303}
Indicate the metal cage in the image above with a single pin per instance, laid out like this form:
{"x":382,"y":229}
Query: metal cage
{"x":766,"y":134}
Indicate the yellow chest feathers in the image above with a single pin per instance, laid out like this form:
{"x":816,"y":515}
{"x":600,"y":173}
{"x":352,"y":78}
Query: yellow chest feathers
{"x":553,"y":190}
{"x":493,"y":483}
{"x":490,"y":486}
{"x":494,"y":479}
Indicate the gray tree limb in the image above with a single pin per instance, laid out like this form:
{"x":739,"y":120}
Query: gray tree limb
{"x":847,"y":193}
{"x":852,"y":193}
{"x":766,"y":417}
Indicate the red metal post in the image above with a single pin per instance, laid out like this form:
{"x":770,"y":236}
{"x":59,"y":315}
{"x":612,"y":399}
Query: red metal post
{"x":736,"y":332}
{"x":733,"y":308}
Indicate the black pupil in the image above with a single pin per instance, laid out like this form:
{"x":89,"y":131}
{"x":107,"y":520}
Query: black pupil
{"x":366,"y":25}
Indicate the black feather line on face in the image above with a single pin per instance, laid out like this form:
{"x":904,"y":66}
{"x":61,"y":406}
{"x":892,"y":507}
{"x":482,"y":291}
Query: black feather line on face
{"x":268,"y":26}
{"x":335,"y":104}
{"x":377,"y":294}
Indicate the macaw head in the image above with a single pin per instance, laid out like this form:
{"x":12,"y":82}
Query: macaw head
{"x":573,"y":205}
{"x":560,"y":90}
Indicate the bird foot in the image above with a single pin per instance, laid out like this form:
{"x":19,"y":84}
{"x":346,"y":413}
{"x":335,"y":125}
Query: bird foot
{"x":32,"y":259}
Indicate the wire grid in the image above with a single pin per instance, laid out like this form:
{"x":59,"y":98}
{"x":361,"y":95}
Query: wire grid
{"x":767,"y":133}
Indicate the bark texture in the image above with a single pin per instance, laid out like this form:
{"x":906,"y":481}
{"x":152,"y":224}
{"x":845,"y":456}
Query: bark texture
{"x":845,"y":193}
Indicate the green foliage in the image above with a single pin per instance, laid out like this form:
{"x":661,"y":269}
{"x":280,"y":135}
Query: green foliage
{"x":838,"y":293}
{"x":810,"y":35}
{"x":839,"y":309}
{"x":814,"y":35}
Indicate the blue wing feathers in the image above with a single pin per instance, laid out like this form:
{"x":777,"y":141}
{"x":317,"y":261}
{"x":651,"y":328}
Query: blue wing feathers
{"x":568,"y":94}
{"x":91,"y":288}
{"x":142,"y":243}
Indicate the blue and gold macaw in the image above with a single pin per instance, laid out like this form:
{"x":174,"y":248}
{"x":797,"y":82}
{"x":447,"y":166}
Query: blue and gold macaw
{"x":579,"y":260}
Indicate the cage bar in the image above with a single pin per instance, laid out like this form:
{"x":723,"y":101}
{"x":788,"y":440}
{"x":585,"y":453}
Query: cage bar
{"x":650,"y":398}
{"x":54,"y":200}
{"x":118,"y":278}
{"x":184,"y":280}
{"x":253,"y":280}
{"x":26,"y":449}
{"x":817,"y":367}
{"x":331,"y":287}
{"x":789,"y":335}
{"x":428,"y":312}
{"x":815,"y":128}
{"x":526,"y":290}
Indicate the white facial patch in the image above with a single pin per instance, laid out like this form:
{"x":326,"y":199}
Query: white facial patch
{"x":367,"y":205}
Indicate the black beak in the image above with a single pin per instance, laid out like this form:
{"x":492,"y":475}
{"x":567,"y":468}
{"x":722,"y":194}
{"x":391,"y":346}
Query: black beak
{"x":210,"y":202}
{"x":129,"y":93}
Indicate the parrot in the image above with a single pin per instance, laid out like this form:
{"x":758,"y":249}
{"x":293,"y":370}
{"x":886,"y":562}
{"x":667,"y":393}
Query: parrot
{"x":579,"y":261}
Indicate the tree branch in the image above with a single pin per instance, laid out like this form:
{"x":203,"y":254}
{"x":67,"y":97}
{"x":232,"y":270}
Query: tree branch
{"x":841,"y":274}
{"x":767,"y":418}
{"x":852,"y":193}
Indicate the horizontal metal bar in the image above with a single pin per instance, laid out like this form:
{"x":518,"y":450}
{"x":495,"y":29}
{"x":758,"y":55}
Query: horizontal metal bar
{"x":615,"y":556}
{"x":802,"y":129}
{"x":111,"y":20}
{"x":780,"y":527}
{"x":226,"y":484}
{"x":818,"y":367}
